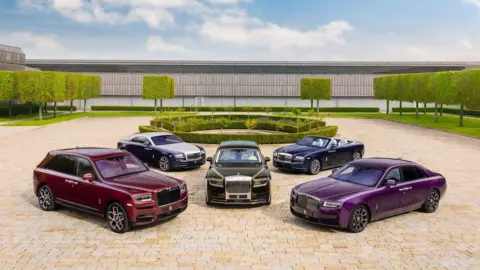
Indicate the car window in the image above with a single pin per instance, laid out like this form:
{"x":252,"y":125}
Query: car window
{"x":166,"y":139}
{"x":84,"y":166}
{"x":120,"y":165}
{"x":62,"y":163}
{"x":358,"y":174}
{"x":394,"y":174}
{"x":411,"y":173}
{"x":139,"y":139}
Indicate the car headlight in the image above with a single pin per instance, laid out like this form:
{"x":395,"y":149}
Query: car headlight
{"x":142,"y":198}
{"x":299,"y":157}
{"x":275,"y":154}
{"x":294,"y":193}
{"x":332,"y":204}
{"x":260,"y":182}
{"x":179,"y":156}
{"x":217,"y":182}
{"x":183,"y":188}
{"x":202,"y":151}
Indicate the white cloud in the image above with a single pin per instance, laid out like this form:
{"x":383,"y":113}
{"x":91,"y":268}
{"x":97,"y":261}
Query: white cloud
{"x":42,"y":45}
{"x":156,"y":44}
{"x":475,"y":2}
{"x":227,"y":2}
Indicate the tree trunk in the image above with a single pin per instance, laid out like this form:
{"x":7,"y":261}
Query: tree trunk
{"x":45,"y":109}
{"x":441,"y":109}
{"x":161,"y":105}
{"x":311,"y":103}
{"x":436,"y":112}
{"x":54,"y":109}
{"x":30,"y":108}
{"x":388,"y":106}
{"x":318,"y":107}
{"x":416,"y":110}
{"x":71,"y":106}
{"x":9,"y":108}
{"x":84,"y":105}
{"x":401,"y":113}
{"x":155,"y":106}
{"x":461,"y":116}
{"x":40,"y":111}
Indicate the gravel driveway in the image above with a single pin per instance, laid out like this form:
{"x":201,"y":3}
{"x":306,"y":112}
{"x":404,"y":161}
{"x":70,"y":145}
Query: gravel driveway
{"x":266,"y":237}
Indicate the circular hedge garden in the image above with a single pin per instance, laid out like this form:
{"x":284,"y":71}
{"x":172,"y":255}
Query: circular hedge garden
{"x":292,"y":128}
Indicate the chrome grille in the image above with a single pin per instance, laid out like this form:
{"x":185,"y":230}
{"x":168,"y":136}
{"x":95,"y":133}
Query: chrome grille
{"x":307,"y":202}
{"x":284,"y":157}
{"x":237,"y":187}
{"x":193,"y":156}
{"x":168,"y":196}
{"x":302,"y":200}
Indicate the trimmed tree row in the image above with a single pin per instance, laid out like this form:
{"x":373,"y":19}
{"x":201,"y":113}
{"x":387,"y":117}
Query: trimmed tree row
{"x":441,"y":88}
{"x":158,"y":87}
{"x":48,"y":86}
{"x":315,"y":89}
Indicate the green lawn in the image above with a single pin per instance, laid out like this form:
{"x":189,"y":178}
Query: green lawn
{"x":66,"y":117}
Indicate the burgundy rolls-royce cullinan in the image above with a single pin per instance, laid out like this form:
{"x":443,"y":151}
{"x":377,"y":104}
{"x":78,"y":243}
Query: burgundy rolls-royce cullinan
{"x":108,"y":182}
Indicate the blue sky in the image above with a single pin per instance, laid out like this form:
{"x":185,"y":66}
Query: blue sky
{"x":321,"y":30}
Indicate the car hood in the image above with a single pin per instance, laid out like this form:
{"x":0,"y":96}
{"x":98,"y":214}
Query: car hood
{"x":330,"y":189}
{"x":296,"y":149}
{"x":180,"y":147}
{"x":145,"y":181}
{"x":221,"y":172}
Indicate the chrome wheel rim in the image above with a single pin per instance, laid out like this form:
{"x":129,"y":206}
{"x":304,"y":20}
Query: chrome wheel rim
{"x":116,"y":218}
{"x":360,"y":219}
{"x":164,"y":164}
{"x":45,"y":198}
{"x":433,"y":200}
{"x":315,"y":166}
{"x":356,"y":156}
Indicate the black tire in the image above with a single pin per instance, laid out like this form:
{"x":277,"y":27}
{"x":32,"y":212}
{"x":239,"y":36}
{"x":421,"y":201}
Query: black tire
{"x":269,"y":198}
{"x":208,"y":201}
{"x":356,"y":155}
{"x":117,"y":218}
{"x":164,"y":164}
{"x":46,"y":198}
{"x":359,"y":218}
{"x":314,"y":167}
{"x":431,"y":203}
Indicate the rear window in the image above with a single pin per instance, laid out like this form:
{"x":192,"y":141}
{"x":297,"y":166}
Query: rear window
{"x":62,"y":163}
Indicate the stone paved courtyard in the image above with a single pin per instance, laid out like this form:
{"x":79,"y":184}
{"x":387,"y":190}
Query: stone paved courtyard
{"x":266,"y":237}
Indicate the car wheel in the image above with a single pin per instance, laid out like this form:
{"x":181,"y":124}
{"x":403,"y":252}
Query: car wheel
{"x":315,"y":167}
{"x":164,"y":164}
{"x":356,"y":155}
{"x":208,"y":201}
{"x":359,"y":219}
{"x":117,"y":218}
{"x":46,"y":199}
{"x":269,"y":198}
{"x":431,"y":204}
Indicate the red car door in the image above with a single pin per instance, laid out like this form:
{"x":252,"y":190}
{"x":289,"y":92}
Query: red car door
{"x":60,"y":171}
{"x":86,"y":194}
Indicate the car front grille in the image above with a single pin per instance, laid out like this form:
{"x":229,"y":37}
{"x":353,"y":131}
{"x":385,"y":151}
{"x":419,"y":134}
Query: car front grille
{"x":302,"y":200}
{"x":308,"y":203}
{"x":194,"y":156}
{"x":237,"y":187}
{"x":168,"y":196}
{"x":284,"y":157}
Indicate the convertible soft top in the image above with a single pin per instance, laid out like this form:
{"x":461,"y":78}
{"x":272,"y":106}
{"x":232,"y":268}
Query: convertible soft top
{"x":238,"y":144}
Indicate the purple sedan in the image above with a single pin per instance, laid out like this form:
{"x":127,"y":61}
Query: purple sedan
{"x":366,"y":190}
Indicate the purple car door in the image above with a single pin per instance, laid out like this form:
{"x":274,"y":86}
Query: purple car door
{"x":388,"y":199}
{"x":414,"y":187}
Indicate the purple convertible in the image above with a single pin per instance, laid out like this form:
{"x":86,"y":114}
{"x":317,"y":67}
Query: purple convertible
{"x":366,"y":190}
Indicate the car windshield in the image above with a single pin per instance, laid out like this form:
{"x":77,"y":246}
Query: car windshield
{"x":314,"y":141}
{"x":358,"y":174}
{"x":119,"y":165}
{"x":238,"y":156}
{"x":166,"y":139}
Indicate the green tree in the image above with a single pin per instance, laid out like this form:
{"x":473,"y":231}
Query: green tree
{"x":279,"y":125}
{"x":8,"y":89}
{"x":251,"y":123}
{"x":248,"y":109}
{"x":466,"y":90}
{"x":192,"y":121}
{"x":224,"y":123}
{"x":380,"y":90}
{"x":297,"y":112}
{"x":158,"y":87}
{"x":420,"y":89}
{"x":212,"y":109}
{"x":267,"y":110}
{"x":71,"y":88}
{"x":305,"y":90}
{"x":444,"y":91}
{"x":316,"y":88}
{"x":54,"y":83}
{"x":311,"y":115}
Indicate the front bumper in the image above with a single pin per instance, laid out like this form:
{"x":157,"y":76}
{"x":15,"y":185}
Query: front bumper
{"x":258,"y":195}
{"x":150,"y":213}
{"x":330,"y":217}
{"x":291,"y":166}
{"x":179,"y":164}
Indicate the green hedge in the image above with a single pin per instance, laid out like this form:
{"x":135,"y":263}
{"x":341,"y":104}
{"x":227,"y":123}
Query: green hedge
{"x":18,"y":109}
{"x":236,"y":109}
{"x":474,"y":113}
{"x":62,"y":108}
{"x":234,"y":117}
{"x":329,"y":131}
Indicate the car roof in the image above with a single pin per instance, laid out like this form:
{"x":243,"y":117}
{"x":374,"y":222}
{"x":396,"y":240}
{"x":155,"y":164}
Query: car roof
{"x":91,"y":152}
{"x":382,"y":163}
{"x":151,"y":134}
{"x":238,"y":144}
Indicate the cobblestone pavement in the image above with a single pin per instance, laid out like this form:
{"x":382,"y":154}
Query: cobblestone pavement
{"x":266,"y":237}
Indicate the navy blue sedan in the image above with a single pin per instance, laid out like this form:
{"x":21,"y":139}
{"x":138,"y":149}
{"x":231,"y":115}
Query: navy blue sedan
{"x":164,"y":150}
{"x":313,"y":154}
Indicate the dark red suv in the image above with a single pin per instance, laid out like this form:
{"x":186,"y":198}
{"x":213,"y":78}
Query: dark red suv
{"x":108,"y":182}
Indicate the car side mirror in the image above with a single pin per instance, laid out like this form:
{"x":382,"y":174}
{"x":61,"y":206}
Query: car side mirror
{"x":147,"y":143}
{"x":267,"y":159}
{"x":88,"y":177}
{"x":391,"y":183}
{"x":333,"y":146}
{"x":209,"y":159}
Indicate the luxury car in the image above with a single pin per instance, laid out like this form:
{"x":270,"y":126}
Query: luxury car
{"x":313,"y":154}
{"x":366,"y":190}
{"x":238,"y":174}
{"x":164,"y":150}
{"x":110,"y":183}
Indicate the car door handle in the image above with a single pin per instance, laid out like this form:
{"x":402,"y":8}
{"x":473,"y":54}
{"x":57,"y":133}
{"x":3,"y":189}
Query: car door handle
{"x":71,"y":181}
{"x":147,"y":148}
{"x":406,"y":188}
{"x":332,"y":151}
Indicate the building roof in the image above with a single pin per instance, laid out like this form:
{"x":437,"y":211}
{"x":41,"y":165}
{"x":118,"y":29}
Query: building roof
{"x":8,"y":48}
